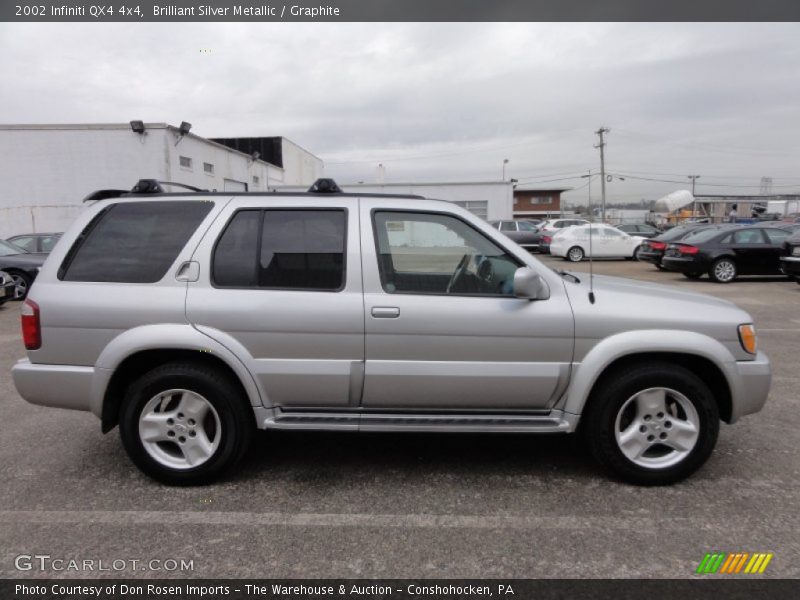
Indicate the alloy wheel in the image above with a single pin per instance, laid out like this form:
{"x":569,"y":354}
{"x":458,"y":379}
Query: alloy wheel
{"x":657,"y":428}
{"x":180,"y":429}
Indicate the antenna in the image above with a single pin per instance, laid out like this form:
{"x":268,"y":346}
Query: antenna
{"x":591,"y":256}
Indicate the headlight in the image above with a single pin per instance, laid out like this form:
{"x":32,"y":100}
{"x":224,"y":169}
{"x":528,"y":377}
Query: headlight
{"x":796,"y":251}
{"x":747,"y":337}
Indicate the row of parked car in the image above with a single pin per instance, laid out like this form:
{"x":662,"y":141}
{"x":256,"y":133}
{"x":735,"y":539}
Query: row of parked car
{"x":721,"y":251}
{"x":21,"y":256}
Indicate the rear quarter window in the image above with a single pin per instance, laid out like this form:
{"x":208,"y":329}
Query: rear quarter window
{"x":133,"y":242}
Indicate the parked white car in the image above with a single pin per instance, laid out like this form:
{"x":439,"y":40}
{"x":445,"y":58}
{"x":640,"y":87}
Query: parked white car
{"x":606,"y":242}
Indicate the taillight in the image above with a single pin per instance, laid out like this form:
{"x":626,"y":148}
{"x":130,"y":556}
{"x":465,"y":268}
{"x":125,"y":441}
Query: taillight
{"x":547,"y":239}
{"x":657,"y":245}
{"x":686,"y":249}
{"x":31,"y":326}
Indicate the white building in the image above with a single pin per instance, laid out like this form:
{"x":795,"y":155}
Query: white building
{"x":490,"y":200}
{"x":46,"y":170}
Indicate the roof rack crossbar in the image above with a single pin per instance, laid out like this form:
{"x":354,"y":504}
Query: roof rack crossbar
{"x":154,"y":186}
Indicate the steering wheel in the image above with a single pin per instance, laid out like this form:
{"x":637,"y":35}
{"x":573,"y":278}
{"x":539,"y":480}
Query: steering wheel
{"x":485,"y":269}
{"x":462,"y":266}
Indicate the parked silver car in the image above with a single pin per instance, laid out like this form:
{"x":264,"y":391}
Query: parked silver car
{"x":192,"y":319}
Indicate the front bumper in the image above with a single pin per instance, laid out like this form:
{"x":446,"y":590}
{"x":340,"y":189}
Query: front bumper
{"x":59,"y":386}
{"x":790,"y":265}
{"x":750,"y":381}
{"x":7,"y":292}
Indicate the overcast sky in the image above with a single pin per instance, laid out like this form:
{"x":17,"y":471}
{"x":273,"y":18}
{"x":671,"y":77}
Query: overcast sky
{"x":443,"y":102}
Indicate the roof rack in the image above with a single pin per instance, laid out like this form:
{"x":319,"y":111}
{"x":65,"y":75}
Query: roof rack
{"x":155,"y":187}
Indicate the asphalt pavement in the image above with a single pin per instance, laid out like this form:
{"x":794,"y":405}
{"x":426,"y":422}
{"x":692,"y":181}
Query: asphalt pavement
{"x":407,"y":505}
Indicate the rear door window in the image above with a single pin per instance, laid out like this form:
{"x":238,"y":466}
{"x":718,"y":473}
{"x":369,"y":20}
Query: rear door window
{"x":133,"y":242}
{"x":282,"y":249}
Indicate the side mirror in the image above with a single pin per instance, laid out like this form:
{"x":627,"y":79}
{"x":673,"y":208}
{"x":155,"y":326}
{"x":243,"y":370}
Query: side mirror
{"x":528,"y":284}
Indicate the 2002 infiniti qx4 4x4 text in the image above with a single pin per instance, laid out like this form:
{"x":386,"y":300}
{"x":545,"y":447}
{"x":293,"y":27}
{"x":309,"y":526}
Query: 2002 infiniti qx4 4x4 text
{"x":192,"y":319}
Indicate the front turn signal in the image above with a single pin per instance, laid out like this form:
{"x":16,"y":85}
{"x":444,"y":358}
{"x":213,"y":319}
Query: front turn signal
{"x":747,"y":337}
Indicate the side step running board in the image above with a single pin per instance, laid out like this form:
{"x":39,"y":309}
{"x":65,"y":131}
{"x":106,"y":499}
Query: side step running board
{"x":555,"y":421}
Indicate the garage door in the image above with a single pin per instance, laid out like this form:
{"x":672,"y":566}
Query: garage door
{"x":231,"y":185}
{"x":479,"y":208}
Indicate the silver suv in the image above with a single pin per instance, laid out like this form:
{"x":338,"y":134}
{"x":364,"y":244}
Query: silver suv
{"x":191,"y":320}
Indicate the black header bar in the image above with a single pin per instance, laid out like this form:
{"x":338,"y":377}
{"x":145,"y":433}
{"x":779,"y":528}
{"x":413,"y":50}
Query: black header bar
{"x":399,"y":10}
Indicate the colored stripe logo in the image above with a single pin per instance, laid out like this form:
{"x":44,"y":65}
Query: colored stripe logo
{"x":733,"y":563}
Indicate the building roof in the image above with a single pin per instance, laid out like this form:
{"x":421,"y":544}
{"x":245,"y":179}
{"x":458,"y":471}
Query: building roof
{"x":536,"y":188}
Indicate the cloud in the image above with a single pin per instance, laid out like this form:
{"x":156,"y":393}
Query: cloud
{"x":441,"y":101}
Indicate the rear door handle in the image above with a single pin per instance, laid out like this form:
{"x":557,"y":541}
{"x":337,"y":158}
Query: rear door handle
{"x":385,"y":312}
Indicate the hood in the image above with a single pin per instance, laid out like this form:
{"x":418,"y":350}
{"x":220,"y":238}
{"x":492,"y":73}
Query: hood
{"x":625,"y":305}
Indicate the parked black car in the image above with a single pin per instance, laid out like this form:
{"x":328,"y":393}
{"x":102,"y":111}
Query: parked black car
{"x":725,"y":254}
{"x":652,"y":250}
{"x":524,"y":232}
{"x":22,"y":266}
{"x":790,"y":261}
{"x":644,"y":230}
{"x":35,"y":242}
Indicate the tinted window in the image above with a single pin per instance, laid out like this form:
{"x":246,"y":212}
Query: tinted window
{"x":234,"y":263}
{"x":701,"y":236}
{"x":298,"y":249}
{"x":439,"y":254}
{"x":675,"y":233}
{"x":133,"y":242}
{"x":7,"y":249}
{"x":776,"y":236}
{"x":26,"y":243}
{"x":508,"y":226}
{"x":48,"y":242}
{"x":748,"y":236}
{"x":302,"y":249}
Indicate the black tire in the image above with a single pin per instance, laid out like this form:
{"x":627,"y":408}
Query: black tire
{"x":636,"y":253}
{"x":693,"y":275}
{"x":23,"y":283}
{"x":720,"y":271}
{"x":224,"y":395}
{"x":600,"y":420}
{"x":660,"y":267}
{"x":575,"y":254}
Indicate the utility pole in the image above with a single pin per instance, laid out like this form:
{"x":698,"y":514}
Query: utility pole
{"x":694,"y":178}
{"x":505,"y":162}
{"x":601,"y":145}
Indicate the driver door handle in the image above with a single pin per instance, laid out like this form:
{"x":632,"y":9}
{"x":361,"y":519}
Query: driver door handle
{"x":385,"y":312}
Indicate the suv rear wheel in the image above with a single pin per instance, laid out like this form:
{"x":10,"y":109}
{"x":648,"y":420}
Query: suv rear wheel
{"x":653,"y":424}
{"x":183,"y":424}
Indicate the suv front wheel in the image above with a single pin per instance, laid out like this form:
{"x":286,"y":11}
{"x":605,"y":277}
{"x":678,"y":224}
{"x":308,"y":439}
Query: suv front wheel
{"x":653,"y":424}
{"x":183,"y":424}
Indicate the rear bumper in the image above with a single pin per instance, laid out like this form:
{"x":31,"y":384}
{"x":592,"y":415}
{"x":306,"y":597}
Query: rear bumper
{"x":683,"y":265}
{"x":790,"y":265}
{"x":59,"y":386}
{"x":651,"y":257}
{"x":750,"y":386}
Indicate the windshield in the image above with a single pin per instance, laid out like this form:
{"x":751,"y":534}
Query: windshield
{"x":7,"y":249}
{"x":675,"y":233}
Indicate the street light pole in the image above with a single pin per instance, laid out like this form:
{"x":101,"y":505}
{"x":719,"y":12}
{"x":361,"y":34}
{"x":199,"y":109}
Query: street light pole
{"x":505,"y":162}
{"x":600,"y":132}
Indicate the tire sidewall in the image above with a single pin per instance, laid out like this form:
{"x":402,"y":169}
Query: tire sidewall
{"x":605,"y":406}
{"x":219,"y":392}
